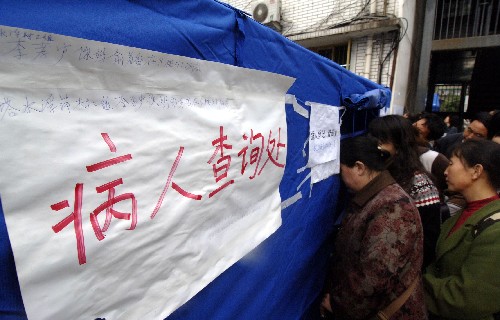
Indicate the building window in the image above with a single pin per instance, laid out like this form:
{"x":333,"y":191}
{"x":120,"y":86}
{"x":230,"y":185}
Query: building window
{"x":462,"y":19}
{"x":338,"y":54}
{"x":447,"y":97}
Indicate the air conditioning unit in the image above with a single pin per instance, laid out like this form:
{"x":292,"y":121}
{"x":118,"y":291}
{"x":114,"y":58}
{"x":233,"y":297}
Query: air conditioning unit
{"x":267,"y":12}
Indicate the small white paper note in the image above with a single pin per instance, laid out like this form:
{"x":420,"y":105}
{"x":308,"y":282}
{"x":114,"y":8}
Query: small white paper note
{"x":324,"y":141}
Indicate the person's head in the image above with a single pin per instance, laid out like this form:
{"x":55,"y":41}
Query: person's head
{"x":474,"y":161}
{"x":394,"y":133}
{"x":430,"y":126}
{"x":398,"y":136}
{"x":478,"y":127}
{"x":360,"y":161}
{"x":452,"y":120}
{"x":411,"y":116}
{"x":447,"y":121}
{"x":494,"y":128}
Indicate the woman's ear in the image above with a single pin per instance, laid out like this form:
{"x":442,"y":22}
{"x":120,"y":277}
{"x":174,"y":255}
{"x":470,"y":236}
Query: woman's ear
{"x":360,"y":167}
{"x":477,"y":171}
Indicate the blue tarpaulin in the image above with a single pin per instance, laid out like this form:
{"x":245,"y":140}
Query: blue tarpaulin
{"x":286,"y":281}
{"x":373,"y":99}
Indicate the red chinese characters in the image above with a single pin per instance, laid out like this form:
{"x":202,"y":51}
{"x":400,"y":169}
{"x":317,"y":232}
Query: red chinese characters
{"x":76,"y":218}
{"x":107,"y":206}
{"x":272,"y":152}
{"x":221,"y":166}
{"x":175,"y":186}
{"x":257,"y":152}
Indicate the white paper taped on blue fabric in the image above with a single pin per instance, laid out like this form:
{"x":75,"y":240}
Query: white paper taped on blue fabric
{"x":133,"y":171}
{"x":324,"y":141}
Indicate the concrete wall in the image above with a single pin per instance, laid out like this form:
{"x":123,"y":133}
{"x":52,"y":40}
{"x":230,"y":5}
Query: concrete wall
{"x":359,"y":57}
{"x":403,"y":58}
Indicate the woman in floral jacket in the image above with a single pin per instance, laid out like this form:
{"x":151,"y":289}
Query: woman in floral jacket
{"x":379,"y":246}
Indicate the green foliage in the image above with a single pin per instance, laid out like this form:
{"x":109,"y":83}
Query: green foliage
{"x":450,"y":104}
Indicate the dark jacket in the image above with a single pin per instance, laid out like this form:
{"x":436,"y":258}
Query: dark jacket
{"x":447,"y":144}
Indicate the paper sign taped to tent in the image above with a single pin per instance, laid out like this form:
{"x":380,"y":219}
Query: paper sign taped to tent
{"x":130,"y":178}
{"x":324,"y":141}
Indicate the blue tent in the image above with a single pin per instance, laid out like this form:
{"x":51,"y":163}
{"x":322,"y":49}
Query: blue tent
{"x":285,"y":284}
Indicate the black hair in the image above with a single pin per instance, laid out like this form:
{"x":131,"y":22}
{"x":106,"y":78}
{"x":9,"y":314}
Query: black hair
{"x":412,"y":117}
{"x":400,"y":132}
{"x":363,"y":149}
{"x":483,"y":117}
{"x":494,"y":126}
{"x":454,"y":121}
{"x":435,"y":124}
{"x":483,"y":152}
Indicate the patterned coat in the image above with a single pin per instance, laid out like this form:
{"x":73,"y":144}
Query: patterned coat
{"x":425,"y":195}
{"x":378,"y":254}
{"x":463,"y":282}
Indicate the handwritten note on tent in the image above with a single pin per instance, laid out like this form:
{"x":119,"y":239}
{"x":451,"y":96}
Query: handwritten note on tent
{"x":130,"y":178}
{"x":324,"y":141}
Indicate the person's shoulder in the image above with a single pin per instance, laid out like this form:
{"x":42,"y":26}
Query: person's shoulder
{"x":444,"y":144}
{"x":421,"y":177}
{"x":423,"y":190}
{"x":394,"y":194}
{"x":492,"y":207}
{"x":452,"y":130}
{"x":441,"y":160}
{"x":421,"y":150}
{"x":450,"y":137}
{"x":398,"y":200}
{"x":489,"y":220}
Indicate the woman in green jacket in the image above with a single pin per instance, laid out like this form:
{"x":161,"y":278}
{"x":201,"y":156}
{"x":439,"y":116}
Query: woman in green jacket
{"x":464,"y":282}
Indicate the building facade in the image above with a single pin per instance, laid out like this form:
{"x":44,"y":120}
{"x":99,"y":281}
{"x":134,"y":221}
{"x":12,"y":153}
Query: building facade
{"x":368,"y":37}
{"x":425,"y":51}
{"x":462,"y":53}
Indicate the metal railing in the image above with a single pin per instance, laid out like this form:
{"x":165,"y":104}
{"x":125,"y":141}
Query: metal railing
{"x":450,"y":97}
{"x":466,"y":18}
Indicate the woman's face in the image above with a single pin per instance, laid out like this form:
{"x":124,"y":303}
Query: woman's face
{"x":349,"y":177}
{"x":458,"y":175}
{"x":447,"y":121}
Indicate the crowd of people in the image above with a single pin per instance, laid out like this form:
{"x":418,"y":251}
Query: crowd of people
{"x":419,"y":238}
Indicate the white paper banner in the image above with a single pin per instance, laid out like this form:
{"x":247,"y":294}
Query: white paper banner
{"x":130,"y":178}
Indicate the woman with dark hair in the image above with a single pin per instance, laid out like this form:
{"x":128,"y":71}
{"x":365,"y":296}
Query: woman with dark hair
{"x":378,"y":249}
{"x":463,"y":281}
{"x":397,"y":135}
